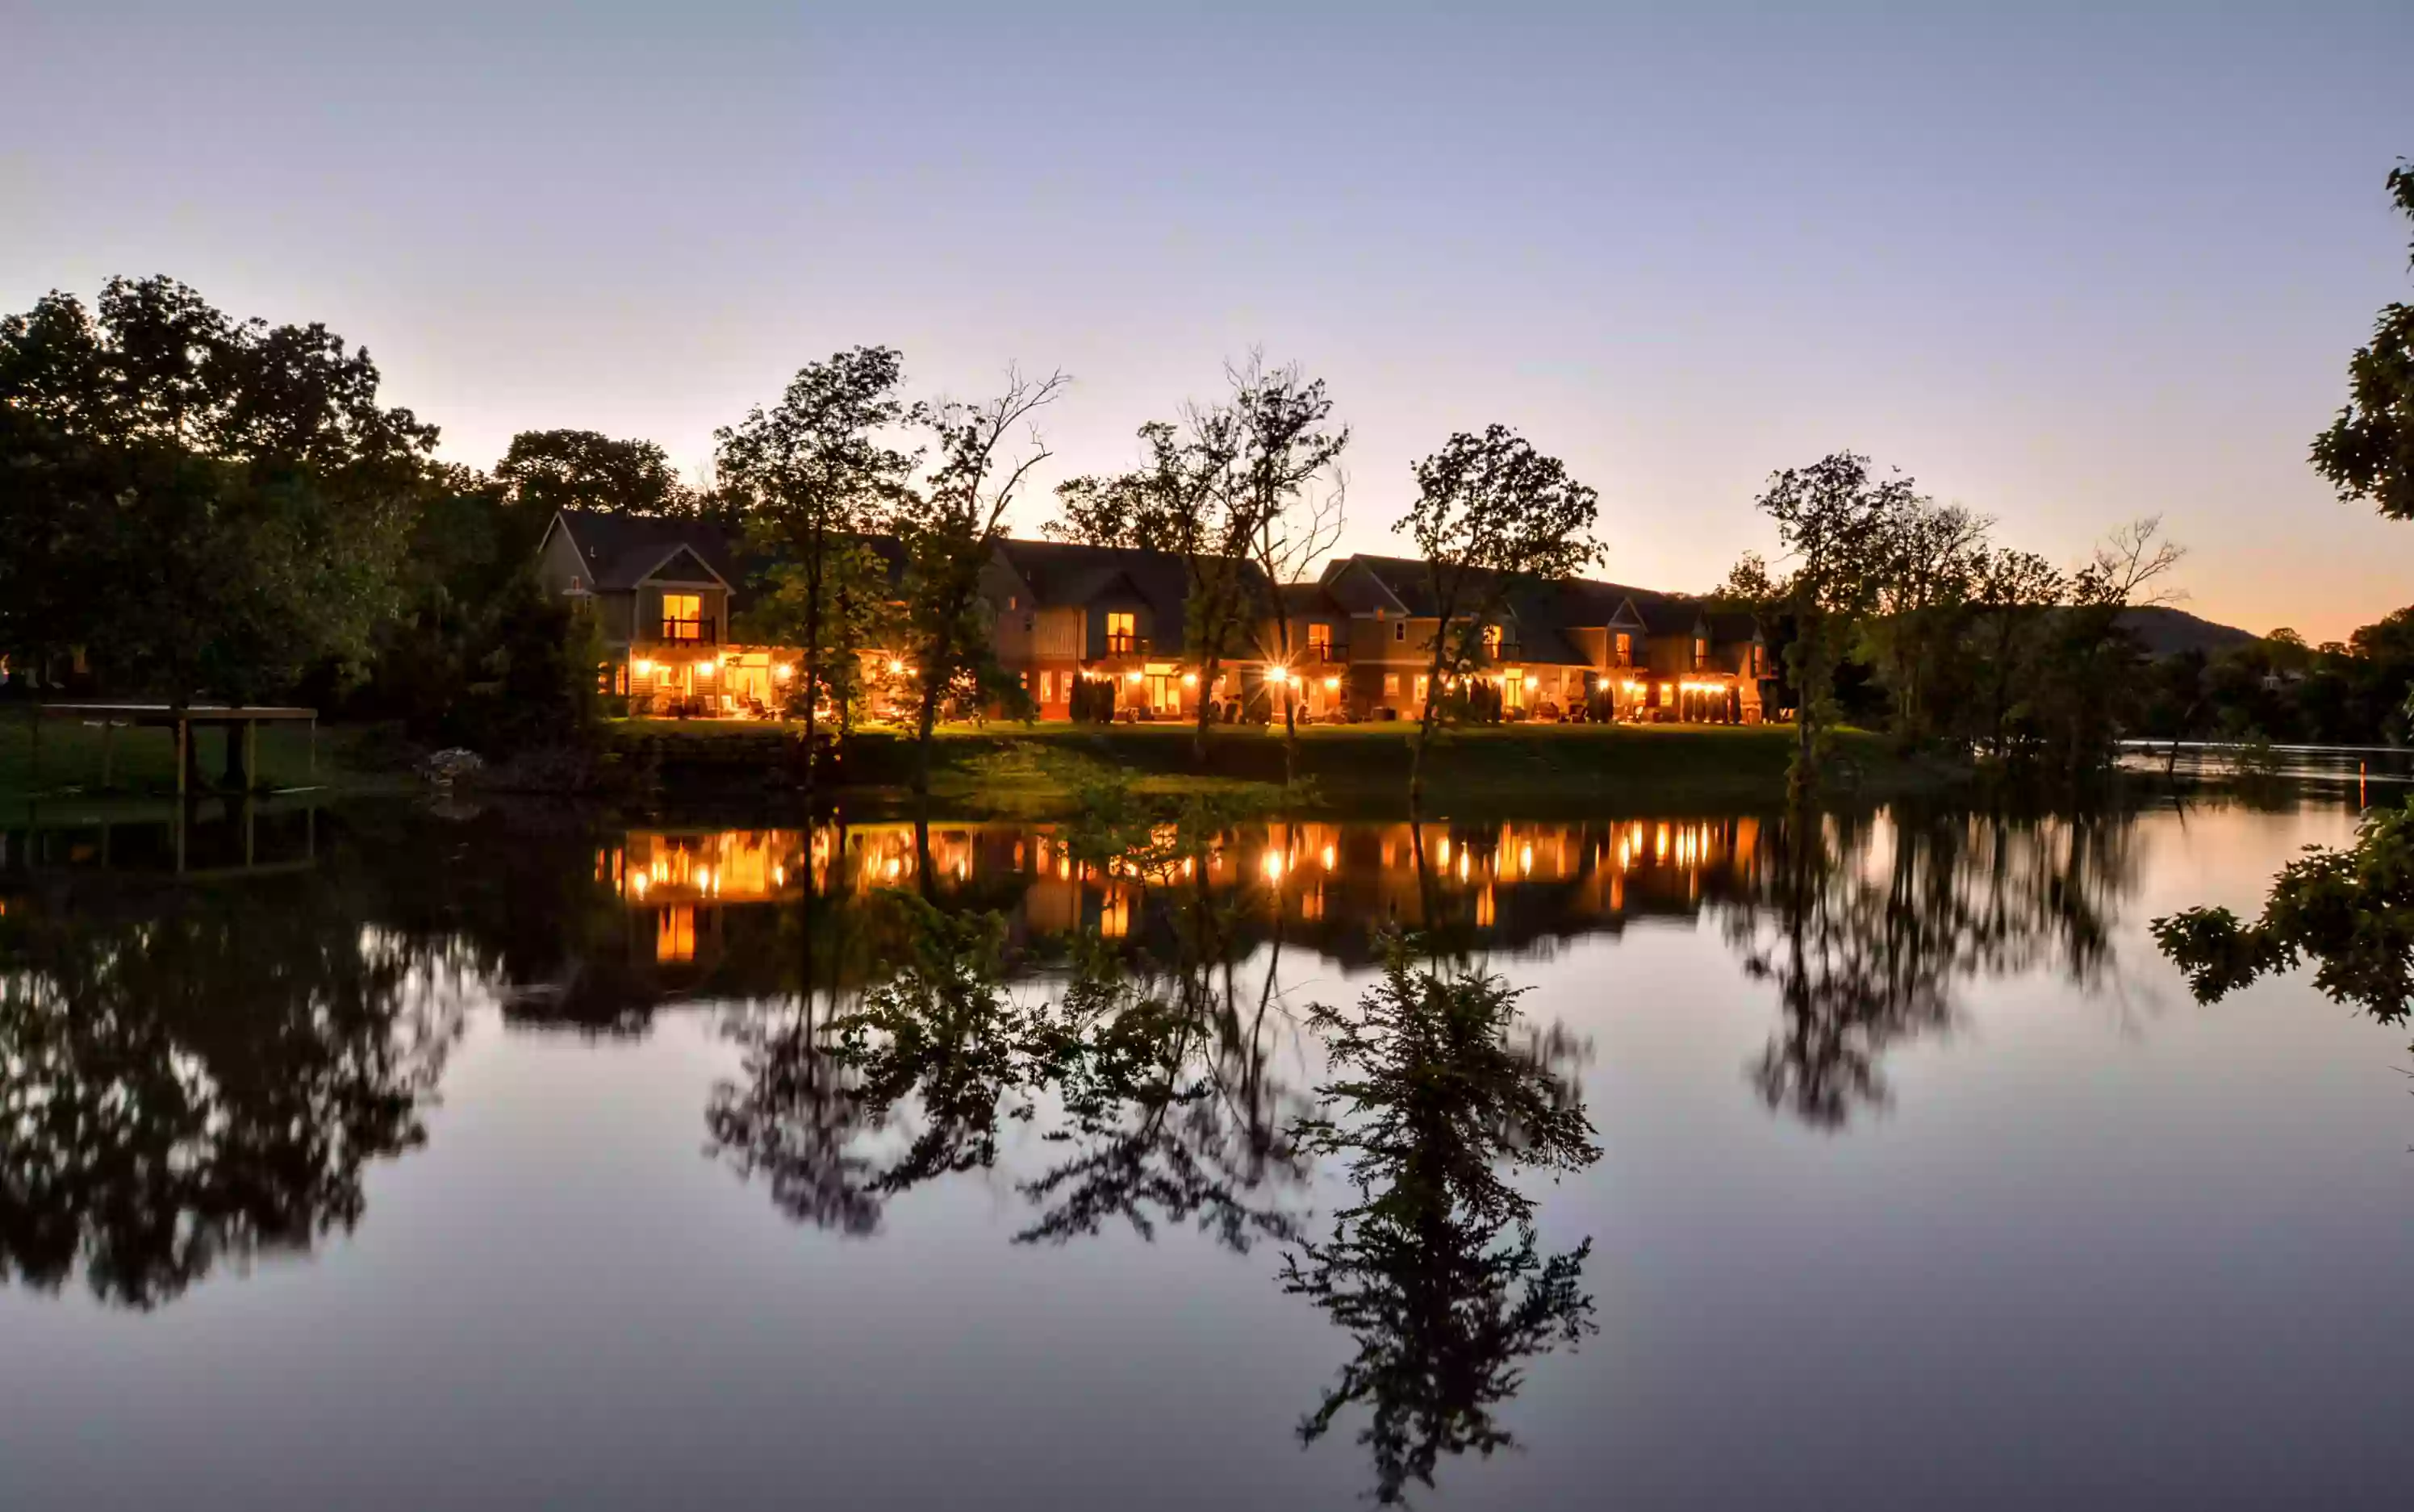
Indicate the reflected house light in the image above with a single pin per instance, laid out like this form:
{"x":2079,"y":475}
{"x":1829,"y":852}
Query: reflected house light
{"x":638,"y":882}
{"x":1273,"y":865}
{"x":1327,"y":857}
{"x":1525,"y":859}
{"x":1462,"y":866}
{"x":1441,"y":851}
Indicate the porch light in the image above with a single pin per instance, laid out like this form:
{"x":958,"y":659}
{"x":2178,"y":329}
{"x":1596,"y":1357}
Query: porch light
{"x":1131,"y":677}
{"x":1190,"y":679}
{"x":1331,"y":683}
{"x":1278,"y":674}
{"x":784,"y":671}
{"x":644,"y":667}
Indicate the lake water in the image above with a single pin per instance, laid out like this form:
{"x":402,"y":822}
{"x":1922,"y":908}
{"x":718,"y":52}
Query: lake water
{"x":468,"y":1160}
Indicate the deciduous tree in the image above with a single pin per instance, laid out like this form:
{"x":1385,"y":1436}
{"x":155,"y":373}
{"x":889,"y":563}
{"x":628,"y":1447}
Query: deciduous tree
{"x":813,"y":474}
{"x":1492,"y":514}
{"x":2368,"y":450}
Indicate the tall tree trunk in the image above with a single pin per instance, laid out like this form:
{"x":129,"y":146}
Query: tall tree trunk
{"x":1291,"y":713}
{"x":816,"y":558}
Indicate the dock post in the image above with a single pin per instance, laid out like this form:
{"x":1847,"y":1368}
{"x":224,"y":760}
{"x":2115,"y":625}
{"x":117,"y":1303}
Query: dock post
{"x":251,"y":754}
{"x":33,"y":762}
{"x":108,"y":750}
{"x":184,"y":737}
{"x":313,"y":768}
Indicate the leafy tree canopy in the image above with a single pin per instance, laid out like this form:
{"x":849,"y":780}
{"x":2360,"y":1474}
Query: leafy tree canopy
{"x":2368,"y":450}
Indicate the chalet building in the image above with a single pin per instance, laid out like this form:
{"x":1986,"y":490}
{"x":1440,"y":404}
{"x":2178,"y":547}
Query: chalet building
{"x":1355,"y":644}
{"x":664,"y":594}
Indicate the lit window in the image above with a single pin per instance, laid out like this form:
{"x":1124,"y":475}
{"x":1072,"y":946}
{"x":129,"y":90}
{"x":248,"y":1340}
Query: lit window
{"x":1391,"y":684}
{"x":675,"y":934}
{"x":1122,"y":634}
{"x":1320,"y":640}
{"x":682,"y":617}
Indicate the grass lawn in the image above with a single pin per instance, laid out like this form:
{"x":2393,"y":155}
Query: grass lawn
{"x":144,"y":761}
{"x":993,"y":766}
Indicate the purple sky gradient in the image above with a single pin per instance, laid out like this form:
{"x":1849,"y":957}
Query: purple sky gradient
{"x":2066,"y":265}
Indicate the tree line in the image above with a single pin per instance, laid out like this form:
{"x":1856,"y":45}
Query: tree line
{"x":208,"y":507}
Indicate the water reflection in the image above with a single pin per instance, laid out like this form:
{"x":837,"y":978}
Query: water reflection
{"x":1434,"y":1271}
{"x":202,"y":1077}
{"x":1867,"y":925}
{"x":1092,"y":1016}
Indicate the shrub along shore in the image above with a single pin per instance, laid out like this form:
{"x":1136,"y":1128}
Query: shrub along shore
{"x":1009,"y":769}
{"x":1021,"y":770}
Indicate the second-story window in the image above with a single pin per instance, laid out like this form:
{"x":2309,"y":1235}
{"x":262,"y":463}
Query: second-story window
{"x":1121,"y":637}
{"x":1492,"y":640}
{"x":682,"y":617}
{"x":1320,"y":642}
{"x":1399,"y":630}
{"x":1701,"y":651}
{"x":1625,"y":649}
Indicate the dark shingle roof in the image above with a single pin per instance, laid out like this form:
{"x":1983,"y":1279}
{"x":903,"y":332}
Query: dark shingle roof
{"x":1066,"y":573}
{"x":622,"y":550}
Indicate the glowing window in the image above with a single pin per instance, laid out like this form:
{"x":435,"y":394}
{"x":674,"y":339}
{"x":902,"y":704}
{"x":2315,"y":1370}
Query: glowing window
{"x":675,"y":934}
{"x":682,"y":617}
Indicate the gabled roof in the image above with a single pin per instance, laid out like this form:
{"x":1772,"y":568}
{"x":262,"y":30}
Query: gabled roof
{"x":1304,"y":601}
{"x":1404,"y":580}
{"x":1069,"y":574}
{"x":623,"y":550}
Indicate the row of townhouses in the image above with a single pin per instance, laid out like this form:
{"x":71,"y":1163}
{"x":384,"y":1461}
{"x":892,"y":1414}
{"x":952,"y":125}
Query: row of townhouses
{"x":1358,"y":641}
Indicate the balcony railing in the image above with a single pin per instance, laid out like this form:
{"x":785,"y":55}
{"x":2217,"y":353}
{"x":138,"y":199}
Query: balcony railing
{"x":1328,"y":655}
{"x":698,"y":631}
{"x":1121,"y":644}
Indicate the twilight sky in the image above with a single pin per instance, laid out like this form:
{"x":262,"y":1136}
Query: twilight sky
{"x":2063,"y":264}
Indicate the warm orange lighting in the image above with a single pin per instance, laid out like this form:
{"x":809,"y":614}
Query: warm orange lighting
{"x":1190,"y":679}
{"x":1273,"y":865}
{"x":1332,"y":683}
{"x":894,"y":667}
{"x":783,"y":672}
{"x":644,"y":667}
{"x":1327,"y":857}
{"x":1131,"y":677}
{"x":638,"y":882}
{"x":1278,"y":674}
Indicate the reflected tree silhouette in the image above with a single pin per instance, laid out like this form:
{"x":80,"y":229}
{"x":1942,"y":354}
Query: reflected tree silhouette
{"x":1867,"y":925}
{"x":206,"y":1079}
{"x":1435,"y":1270}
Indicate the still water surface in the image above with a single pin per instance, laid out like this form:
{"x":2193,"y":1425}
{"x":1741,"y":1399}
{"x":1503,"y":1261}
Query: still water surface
{"x":502,"y":1160}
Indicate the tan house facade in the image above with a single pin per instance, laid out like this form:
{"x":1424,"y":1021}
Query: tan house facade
{"x":1095,"y":629}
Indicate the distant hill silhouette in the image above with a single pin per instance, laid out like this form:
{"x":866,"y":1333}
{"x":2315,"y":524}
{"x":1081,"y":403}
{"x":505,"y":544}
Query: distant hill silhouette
{"x":2167,"y":631}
